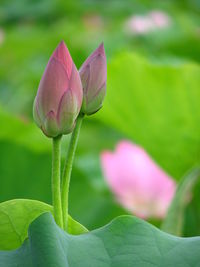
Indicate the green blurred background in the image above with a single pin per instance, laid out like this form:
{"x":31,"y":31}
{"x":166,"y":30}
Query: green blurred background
{"x":153,"y":96}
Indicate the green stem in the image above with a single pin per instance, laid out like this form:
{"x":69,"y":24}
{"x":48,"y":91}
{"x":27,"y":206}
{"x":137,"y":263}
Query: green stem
{"x":68,"y":169}
{"x":56,"y":195}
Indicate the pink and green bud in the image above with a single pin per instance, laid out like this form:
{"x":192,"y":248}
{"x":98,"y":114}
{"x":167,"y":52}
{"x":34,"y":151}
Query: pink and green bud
{"x":59,"y":97}
{"x":93,"y":75}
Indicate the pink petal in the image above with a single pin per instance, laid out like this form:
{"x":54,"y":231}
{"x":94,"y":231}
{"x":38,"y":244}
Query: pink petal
{"x":62,"y":54}
{"x":99,"y":51}
{"x":52,"y":86}
{"x":75,"y":86}
{"x":138,"y":183}
{"x":67,"y":112}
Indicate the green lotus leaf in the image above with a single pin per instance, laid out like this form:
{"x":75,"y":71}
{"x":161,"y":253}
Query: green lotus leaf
{"x":127,"y":241}
{"x":16,"y":216}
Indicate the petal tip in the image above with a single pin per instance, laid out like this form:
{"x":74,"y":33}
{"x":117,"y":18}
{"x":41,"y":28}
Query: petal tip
{"x":100,"y":50}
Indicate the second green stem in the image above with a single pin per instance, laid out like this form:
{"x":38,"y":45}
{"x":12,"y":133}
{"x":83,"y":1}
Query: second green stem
{"x":68,"y":170}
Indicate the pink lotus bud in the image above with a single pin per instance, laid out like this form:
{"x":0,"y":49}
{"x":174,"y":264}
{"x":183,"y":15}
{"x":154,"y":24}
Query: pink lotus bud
{"x":93,"y":74}
{"x":138,"y":183}
{"x":59,"y":97}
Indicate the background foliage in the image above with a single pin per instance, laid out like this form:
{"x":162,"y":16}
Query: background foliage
{"x":153,"y":96}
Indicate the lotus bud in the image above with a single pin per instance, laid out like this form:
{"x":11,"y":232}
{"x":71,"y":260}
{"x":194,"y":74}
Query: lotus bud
{"x":93,"y":75}
{"x":59,"y":97}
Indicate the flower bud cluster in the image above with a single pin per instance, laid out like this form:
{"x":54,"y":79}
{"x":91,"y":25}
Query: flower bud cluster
{"x":64,"y":92}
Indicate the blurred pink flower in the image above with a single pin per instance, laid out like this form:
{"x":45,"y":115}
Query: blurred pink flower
{"x":160,"y":19}
{"x":143,"y":24}
{"x":139,"y":24}
{"x":139,"y":185}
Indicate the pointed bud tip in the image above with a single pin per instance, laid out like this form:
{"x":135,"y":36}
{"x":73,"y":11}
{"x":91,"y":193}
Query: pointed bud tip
{"x":61,"y":49}
{"x":62,"y":42}
{"x":101,"y":46}
{"x":61,"y":46}
{"x":62,"y":54}
{"x":100,"y":49}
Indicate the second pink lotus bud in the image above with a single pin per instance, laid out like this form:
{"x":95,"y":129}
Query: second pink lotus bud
{"x":93,"y":75}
